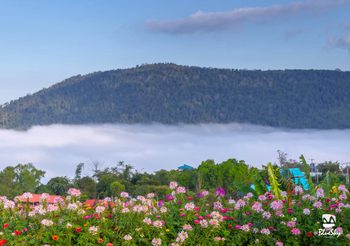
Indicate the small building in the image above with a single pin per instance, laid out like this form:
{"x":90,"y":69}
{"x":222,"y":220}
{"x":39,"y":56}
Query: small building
{"x":298,"y":177}
{"x":36,"y":199}
{"x":185,"y":167}
{"x":91,"y":203}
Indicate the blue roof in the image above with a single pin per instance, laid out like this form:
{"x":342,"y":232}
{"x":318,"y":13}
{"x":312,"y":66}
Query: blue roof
{"x":296,"y":172}
{"x":299,"y":178}
{"x":185,"y":167}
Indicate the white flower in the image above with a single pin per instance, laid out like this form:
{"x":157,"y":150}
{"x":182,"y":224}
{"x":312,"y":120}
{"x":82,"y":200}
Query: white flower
{"x":158,"y":224}
{"x":181,"y":237}
{"x":127,"y":237}
{"x":203,"y":223}
{"x":93,"y":229}
{"x":147,"y":220}
{"x":156,"y":241}
{"x":47,"y":222}
{"x":306,"y":211}
{"x":100,"y":209}
{"x":265,"y":231}
{"x":173,"y":185}
{"x":72,"y":206}
{"x":150,"y":195}
{"x":189,"y":206}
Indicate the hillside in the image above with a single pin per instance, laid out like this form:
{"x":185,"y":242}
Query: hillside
{"x":171,"y":94}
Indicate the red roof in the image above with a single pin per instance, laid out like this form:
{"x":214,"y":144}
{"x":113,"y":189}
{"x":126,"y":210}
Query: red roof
{"x":92,"y":202}
{"x":37,"y":198}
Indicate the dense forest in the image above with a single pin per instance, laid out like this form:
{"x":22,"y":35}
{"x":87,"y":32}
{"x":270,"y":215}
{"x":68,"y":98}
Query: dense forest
{"x":172,"y":94}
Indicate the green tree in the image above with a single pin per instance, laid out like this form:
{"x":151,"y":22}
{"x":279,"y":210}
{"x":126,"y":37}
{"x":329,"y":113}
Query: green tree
{"x":116,"y":188}
{"x":59,"y":185}
{"x":19,"y":179}
{"x":87,"y":185}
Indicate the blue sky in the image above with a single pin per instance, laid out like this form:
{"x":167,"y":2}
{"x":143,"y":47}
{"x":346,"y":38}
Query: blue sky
{"x":44,"y":42}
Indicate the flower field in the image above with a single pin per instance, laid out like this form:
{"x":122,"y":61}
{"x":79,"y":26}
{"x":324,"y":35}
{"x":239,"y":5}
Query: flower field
{"x":180,"y":218}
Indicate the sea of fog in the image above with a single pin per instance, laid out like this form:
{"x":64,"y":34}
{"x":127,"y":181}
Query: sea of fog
{"x":57,"y":149}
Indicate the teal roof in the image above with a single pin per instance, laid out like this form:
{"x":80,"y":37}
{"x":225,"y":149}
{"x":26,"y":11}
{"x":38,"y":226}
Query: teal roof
{"x":299,"y":178}
{"x":185,"y":167}
{"x":296,"y":172}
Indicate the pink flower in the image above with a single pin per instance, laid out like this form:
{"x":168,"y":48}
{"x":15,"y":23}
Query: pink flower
{"x":295,"y":231}
{"x":173,"y":185}
{"x":265,"y":231}
{"x":74,"y":192}
{"x":306,"y":211}
{"x":245,"y":228}
{"x":262,"y":198}
{"x":343,"y":188}
{"x":291,"y":223}
{"x":180,"y":190}
{"x":124,"y":194}
{"x":317,"y":204}
{"x":218,"y":239}
{"x":214,"y":223}
{"x":257,"y":207}
{"x":27,"y":195}
{"x":279,"y":243}
{"x":220,"y":192}
{"x":240,"y":203}
{"x":339,"y":230}
{"x":319,"y":193}
{"x":276,"y":205}
{"x":187,"y":227}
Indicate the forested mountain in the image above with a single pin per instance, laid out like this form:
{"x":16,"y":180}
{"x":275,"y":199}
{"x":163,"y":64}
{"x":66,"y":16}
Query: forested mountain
{"x":171,"y":94}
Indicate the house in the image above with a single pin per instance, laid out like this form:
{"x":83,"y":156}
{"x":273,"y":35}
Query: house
{"x":36,"y":199}
{"x":185,"y":167}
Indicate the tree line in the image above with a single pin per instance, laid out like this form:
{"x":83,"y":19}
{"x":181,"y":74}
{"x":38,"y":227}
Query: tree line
{"x":236,"y":177}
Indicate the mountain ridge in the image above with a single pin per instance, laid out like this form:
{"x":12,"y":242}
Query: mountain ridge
{"x":170,"y":94}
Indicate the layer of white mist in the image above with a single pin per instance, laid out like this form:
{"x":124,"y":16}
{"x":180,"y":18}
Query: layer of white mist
{"x":57,"y":149}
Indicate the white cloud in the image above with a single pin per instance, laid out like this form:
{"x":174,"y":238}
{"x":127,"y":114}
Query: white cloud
{"x":214,"y":21}
{"x":58,"y":149}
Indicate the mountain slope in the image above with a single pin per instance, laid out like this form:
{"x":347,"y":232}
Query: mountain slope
{"x":170,"y":94}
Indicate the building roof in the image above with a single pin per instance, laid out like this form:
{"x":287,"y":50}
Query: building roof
{"x":185,"y":167}
{"x":93,"y":202}
{"x":37,"y":198}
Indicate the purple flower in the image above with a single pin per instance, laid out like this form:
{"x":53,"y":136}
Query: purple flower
{"x":220,"y":192}
{"x":160,"y":203}
{"x":169,"y":197}
{"x":200,"y":195}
